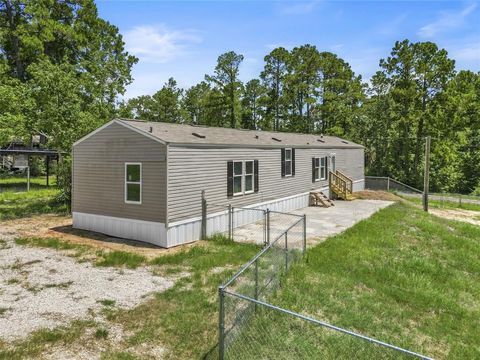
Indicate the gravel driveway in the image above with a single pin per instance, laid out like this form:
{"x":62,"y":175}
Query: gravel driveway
{"x":45,"y":288}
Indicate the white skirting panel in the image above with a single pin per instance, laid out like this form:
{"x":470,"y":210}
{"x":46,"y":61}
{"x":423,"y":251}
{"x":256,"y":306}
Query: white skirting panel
{"x":359,"y":185}
{"x":148,"y":231}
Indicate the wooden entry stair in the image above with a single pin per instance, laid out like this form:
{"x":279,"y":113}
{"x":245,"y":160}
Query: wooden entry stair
{"x":318,"y":198}
{"x":340,"y":185}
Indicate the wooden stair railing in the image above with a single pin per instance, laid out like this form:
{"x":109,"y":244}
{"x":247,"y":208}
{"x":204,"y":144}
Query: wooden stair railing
{"x":318,"y":198}
{"x":340,"y":185}
{"x":348,"y":180}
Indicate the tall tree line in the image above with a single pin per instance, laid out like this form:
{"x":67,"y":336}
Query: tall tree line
{"x":62,"y":69}
{"x":416,"y":92}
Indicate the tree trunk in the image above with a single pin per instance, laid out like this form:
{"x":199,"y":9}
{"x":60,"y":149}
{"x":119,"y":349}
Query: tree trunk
{"x":276,"y":122}
{"x":232,"y":108}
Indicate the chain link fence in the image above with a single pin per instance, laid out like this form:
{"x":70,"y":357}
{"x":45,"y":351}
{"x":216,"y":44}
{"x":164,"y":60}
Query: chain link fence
{"x":252,"y":328}
{"x":388,"y":184}
{"x":245,"y":224}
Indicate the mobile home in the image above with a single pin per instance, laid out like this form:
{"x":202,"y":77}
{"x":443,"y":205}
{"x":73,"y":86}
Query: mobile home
{"x":142,"y":180}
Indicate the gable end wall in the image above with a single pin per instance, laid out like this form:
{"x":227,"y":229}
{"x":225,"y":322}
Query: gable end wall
{"x":99,"y":170}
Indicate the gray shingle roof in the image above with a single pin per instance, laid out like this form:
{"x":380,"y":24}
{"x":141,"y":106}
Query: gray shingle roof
{"x":203,"y":135}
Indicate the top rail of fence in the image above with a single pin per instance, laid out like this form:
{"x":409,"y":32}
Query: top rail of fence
{"x":395,"y":181}
{"x":285,"y":213}
{"x":247,"y":208}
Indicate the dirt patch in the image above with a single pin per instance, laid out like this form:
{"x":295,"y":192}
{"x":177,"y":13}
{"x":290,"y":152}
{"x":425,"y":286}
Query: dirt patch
{"x":376,"y":195}
{"x":468,"y":216}
{"x":60,"y":227}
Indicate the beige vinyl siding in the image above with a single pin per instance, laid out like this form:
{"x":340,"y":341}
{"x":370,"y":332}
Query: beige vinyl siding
{"x":99,"y":174}
{"x":193,"y":169}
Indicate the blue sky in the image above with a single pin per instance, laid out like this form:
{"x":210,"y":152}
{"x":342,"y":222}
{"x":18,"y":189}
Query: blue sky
{"x":182,"y":39}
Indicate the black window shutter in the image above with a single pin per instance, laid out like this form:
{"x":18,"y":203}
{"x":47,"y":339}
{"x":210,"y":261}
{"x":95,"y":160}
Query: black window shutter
{"x":230,"y":178}
{"x":283,"y":162}
{"x":255,"y":175}
{"x":293,"y":162}
{"x":313,"y":169}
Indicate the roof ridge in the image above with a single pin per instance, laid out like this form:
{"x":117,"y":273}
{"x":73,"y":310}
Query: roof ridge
{"x":225,"y":128}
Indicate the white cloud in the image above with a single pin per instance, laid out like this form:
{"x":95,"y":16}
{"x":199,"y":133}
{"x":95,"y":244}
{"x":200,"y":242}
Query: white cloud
{"x":299,"y":7}
{"x":158,"y":44}
{"x":467,"y":52}
{"x":337,"y":47}
{"x":392,"y":26}
{"x":447,"y":20}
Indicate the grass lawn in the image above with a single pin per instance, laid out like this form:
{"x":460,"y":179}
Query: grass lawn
{"x":444,"y":204}
{"x":15,"y":205}
{"x":402,"y":276}
{"x":19,"y":183}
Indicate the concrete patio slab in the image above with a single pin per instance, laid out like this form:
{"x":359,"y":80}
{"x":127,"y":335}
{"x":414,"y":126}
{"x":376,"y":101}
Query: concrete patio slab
{"x":321,"y":222}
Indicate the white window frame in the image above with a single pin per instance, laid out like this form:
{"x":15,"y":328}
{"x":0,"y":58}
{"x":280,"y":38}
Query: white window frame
{"x":290,"y":162}
{"x":317,"y":167}
{"x":133,"y":182}
{"x":236,"y":176}
{"x":249,"y":174}
{"x":243,"y":177}
{"x":323,"y":167}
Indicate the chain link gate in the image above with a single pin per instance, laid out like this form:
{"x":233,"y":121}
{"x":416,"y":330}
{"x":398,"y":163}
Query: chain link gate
{"x":249,"y":225}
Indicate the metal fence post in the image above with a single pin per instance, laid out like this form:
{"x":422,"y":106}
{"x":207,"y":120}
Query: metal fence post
{"x":388,"y":183}
{"x":264,"y":227}
{"x":268,"y":226}
{"x":256,"y":282}
{"x":286,"y":251}
{"x":204,"y":216}
{"x":28,"y":177}
{"x":304,"y":234}
{"x":221,"y":323}
{"x":230,"y":230}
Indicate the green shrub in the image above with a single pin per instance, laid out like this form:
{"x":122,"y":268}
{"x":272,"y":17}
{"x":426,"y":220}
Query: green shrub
{"x":64,"y":181}
{"x":476,"y":191}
